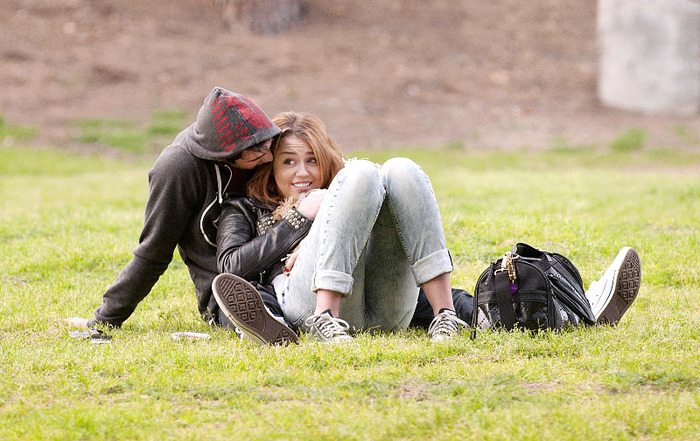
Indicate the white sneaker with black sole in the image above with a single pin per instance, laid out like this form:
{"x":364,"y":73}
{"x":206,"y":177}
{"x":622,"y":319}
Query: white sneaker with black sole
{"x":612,"y":295}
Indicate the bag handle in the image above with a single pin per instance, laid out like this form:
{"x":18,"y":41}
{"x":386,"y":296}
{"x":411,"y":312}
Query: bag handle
{"x":525,"y":250}
{"x":505,"y":301}
{"x":505,"y":279}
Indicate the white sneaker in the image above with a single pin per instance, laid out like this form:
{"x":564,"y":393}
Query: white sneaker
{"x":327,"y":328}
{"x":445,"y":326}
{"x":616,"y":290}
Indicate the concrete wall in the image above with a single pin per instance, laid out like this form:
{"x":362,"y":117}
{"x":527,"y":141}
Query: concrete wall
{"x":650,"y":55}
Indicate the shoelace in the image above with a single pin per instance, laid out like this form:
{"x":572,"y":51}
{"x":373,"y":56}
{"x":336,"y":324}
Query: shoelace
{"x":447,"y":323}
{"x":239,"y":333}
{"x":329,"y":327}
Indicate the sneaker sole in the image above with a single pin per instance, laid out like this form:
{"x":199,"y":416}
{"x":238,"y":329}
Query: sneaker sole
{"x":241,"y":303}
{"x":627,"y":282}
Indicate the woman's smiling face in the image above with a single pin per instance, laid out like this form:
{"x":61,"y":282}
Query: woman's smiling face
{"x":295,"y":168}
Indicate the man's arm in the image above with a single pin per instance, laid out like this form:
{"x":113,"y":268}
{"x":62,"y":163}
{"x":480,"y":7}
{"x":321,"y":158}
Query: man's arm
{"x":171,"y":202}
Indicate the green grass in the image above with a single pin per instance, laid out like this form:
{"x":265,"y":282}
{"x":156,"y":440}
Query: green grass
{"x":12,"y":134}
{"x":69,"y":223}
{"x":631,"y":140}
{"x":127,"y":136}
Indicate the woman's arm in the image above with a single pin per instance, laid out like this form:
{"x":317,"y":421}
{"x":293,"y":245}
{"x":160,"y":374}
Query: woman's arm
{"x":242,"y":252}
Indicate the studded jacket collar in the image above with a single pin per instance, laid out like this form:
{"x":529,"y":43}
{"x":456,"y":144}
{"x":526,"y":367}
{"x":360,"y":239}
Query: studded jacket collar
{"x":251,"y":244}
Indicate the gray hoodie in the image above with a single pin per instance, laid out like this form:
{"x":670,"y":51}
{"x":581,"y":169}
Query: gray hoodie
{"x":186,"y":186}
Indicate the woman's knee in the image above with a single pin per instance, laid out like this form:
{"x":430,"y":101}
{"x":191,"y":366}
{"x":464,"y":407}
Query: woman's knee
{"x":400,"y":168}
{"x":402,"y":173}
{"x":360,"y":167}
{"x":359,"y":173}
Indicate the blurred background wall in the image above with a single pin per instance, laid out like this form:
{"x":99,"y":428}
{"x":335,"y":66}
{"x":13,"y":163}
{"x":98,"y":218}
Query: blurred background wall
{"x":468,"y":73}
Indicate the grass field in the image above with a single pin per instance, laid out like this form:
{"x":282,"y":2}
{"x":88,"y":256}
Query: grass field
{"x":69,"y":222}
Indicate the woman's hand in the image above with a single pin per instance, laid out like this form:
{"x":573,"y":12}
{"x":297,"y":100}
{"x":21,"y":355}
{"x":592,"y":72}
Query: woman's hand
{"x":289,"y":262}
{"x":309,"y":205}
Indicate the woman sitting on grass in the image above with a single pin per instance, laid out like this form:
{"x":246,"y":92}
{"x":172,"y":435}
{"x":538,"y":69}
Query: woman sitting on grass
{"x":372,"y":235}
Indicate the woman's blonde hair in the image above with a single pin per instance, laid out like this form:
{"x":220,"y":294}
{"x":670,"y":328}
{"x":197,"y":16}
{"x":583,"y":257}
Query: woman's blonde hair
{"x":313,"y":132}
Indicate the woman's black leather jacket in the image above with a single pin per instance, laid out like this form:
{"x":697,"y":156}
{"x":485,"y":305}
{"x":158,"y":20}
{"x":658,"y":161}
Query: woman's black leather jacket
{"x":251,"y":244}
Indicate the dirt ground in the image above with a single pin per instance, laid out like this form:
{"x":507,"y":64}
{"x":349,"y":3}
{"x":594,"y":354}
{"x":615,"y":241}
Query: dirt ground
{"x":484,"y":73}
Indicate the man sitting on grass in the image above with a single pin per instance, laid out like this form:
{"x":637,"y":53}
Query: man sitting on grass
{"x":213,"y":156}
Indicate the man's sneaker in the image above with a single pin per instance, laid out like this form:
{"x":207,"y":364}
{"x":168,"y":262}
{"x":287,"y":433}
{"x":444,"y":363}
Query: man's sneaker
{"x":445,"y":325}
{"x":327,"y":328}
{"x":616,"y":290}
{"x":242,"y":304}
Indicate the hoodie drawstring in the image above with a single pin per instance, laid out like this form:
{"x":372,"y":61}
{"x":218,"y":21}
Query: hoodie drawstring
{"x":219,"y":198}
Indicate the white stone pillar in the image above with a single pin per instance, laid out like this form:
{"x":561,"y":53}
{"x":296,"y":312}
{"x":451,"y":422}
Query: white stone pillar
{"x":650,"y":55}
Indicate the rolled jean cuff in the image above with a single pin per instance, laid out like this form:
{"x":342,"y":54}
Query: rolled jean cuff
{"x":333,"y":281}
{"x":432,"y":266}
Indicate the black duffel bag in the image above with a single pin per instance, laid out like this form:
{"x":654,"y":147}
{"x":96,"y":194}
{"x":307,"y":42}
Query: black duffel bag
{"x":530,"y":289}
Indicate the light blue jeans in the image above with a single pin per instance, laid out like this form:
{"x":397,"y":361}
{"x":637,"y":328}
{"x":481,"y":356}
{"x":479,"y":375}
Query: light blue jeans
{"x":377,"y":237}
